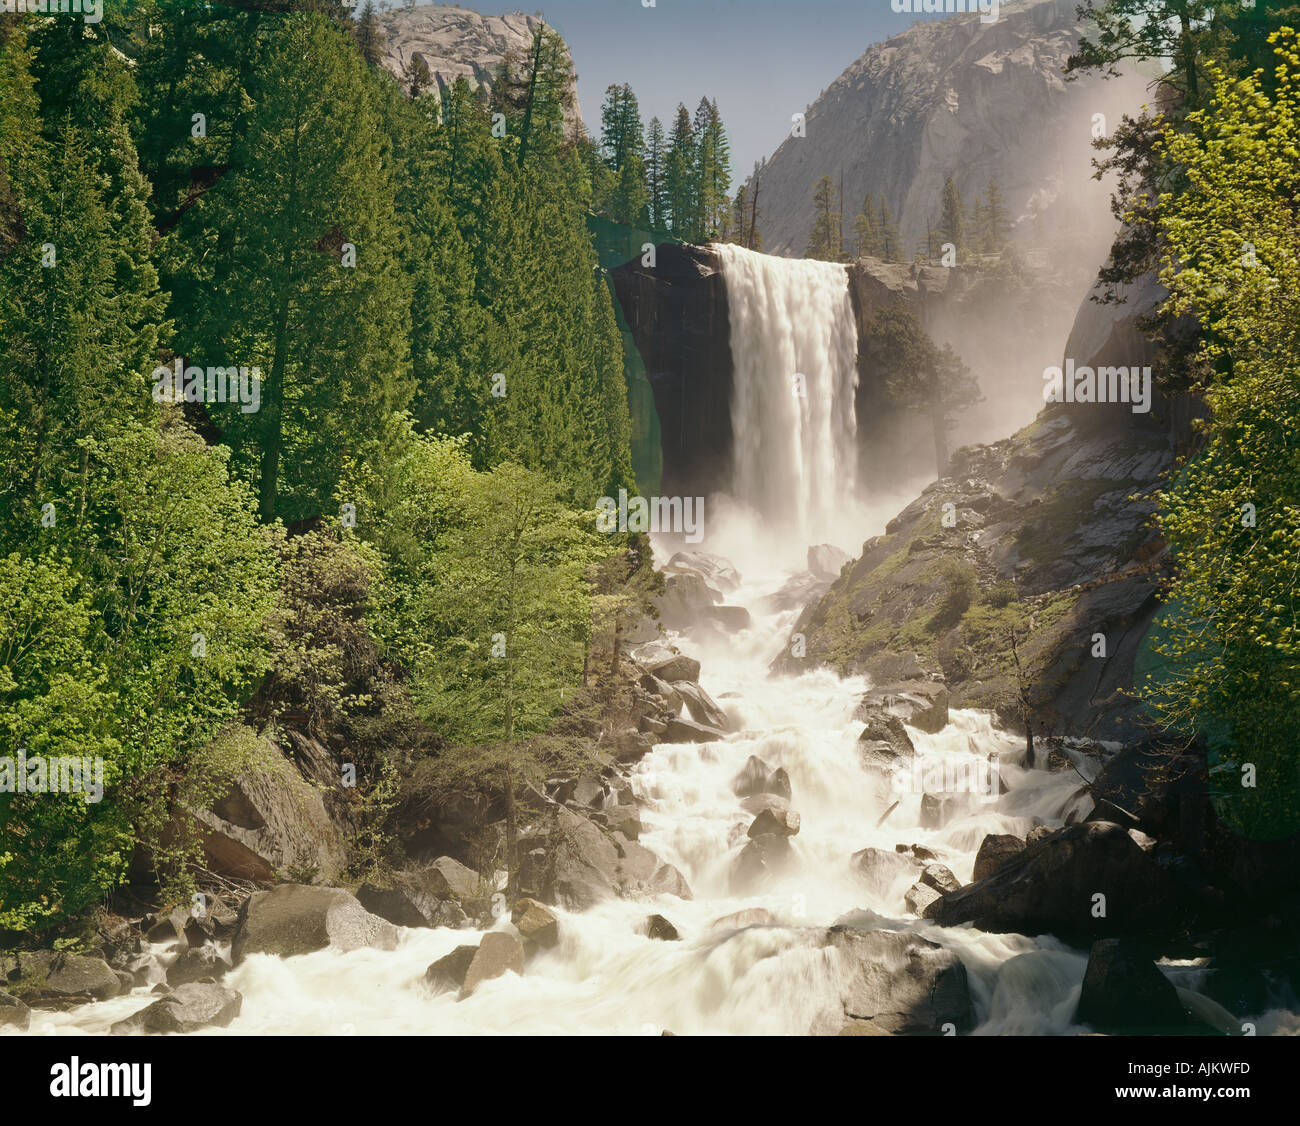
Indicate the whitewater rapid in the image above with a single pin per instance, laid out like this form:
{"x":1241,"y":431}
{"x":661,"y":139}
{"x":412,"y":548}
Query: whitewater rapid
{"x":606,"y":976}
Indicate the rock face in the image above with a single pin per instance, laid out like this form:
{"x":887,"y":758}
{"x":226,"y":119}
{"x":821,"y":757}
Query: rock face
{"x":901,"y":984}
{"x":14,"y":1014}
{"x":1046,"y":535}
{"x":297,"y":919}
{"x":456,"y":43}
{"x":270,"y":824}
{"x":186,"y":1009}
{"x":953,"y":97}
{"x":1051,"y":887}
{"x":677,"y":313}
{"x":1124,"y":991}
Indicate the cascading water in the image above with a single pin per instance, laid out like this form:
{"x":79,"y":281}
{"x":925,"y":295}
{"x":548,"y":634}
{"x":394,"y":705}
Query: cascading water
{"x":794,"y":345}
{"x":779,"y":975}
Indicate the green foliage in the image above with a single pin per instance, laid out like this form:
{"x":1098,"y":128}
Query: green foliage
{"x":1231,"y":643}
{"x":825,"y":240}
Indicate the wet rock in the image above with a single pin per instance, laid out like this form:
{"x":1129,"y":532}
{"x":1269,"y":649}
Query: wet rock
{"x":197,"y":963}
{"x":718,"y":572}
{"x":760,"y":802}
{"x":625,"y":819}
{"x":919,"y":898}
{"x":880,"y":867}
{"x":50,"y":977}
{"x":1051,"y":885}
{"x":169,"y":927}
{"x":449,"y":971}
{"x":298,"y":919}
{"x":633,"y":746}
{"x":1124,"y":991}
{"x":498,"y":954}
{"x":919,"y":851}
{"x":671,"y":697}
{"x":764,"y":856}
{"x":922,"y":703}
{"x":756,"y":777}
{"x":994,"y":851}
{"x":938,"y":809}
{"x":14,"y":1014}
{"x":676,"y":668}
{"x":393,"y":904}
{"x":902,"y":984}
{"x":748,"y":917}
{"x":861,"y":1028}
{"x":826,"y":561}
{"x":447,"y":878}
{"x":667,"y":880}
{"x":682,"y":730}
{"x":186,"y":1009}
{"x":536,"y":923}
{"x":884,"y":742}
{"x":784,"y":823}
{"x":939,"y":877}
{"x":582,"y":863}
{"x":660,"y":928}
{"x":702,"y":707}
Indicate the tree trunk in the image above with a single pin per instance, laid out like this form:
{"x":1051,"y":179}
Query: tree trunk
{"x":512,"y":837}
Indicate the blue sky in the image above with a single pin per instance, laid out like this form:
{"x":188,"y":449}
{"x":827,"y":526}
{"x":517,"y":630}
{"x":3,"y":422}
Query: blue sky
{"x":761,"y":59}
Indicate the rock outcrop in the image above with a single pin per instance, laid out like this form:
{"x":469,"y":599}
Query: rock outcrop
{"x":458,"y":43}
{"x":954,"y":97}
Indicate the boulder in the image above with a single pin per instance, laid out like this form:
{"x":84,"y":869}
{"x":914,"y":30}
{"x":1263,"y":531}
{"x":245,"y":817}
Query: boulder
{"x":756,"y":777}
{"x":922,"y":703}
{"x":449,"y":971}
{"x":581,"y":863}
{"x":884,"y":742}
{"x":187,"y":1008}
{"x":919,"y":898}
{"x":272,"y":822}
{"x":535,"y":922}
{"x":881,"y":867}
{"x":667,"y":880}
{"x":446,"y":878}
{"x":14,"y":1014}
{"x":50,"y":976}
{"x":763,"y":857}
{"x":919,"y":851}
{"x":718,"y":572}
{"x":655,"y":687}
{"x":748,"y":917}
{"x":939,"y":877}
{"x":676,"y":668}
{"x":1050,"y":887}
{"x":625,"y":819}
{"x":902,"y":984}
{"x":1123,"y":991}
{"x":498,"y":954}
{"x":825,"y":561}
{"x":784,"y":823}
{"x":393,"y":904}
{"x":757,"y":803}
{"x":701,"y":706}
{"x":298,"y":919}
{"x":197,"y":963}
{"x":656,"y":927}
{"x":683,"y":730}
{"x":994,"y":851}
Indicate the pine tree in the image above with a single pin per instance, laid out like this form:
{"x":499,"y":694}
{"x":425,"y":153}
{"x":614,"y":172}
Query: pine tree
{"x":996,"y":219}
{"x":952,"y":221}
{"x":313,"y":177}
{"x":866,"y":230}
{"x":656,"y":172}
{"x":679,"y":178}
{"x":370,"y":35}
{"x":824,"y":242}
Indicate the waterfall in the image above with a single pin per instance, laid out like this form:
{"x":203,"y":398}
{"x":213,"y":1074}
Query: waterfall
{"x":794,"y":345}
